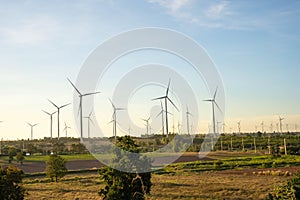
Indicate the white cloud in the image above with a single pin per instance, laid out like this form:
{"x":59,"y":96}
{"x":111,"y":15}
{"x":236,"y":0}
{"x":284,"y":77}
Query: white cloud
{"x":218,"y":11}
{"x":30,"y":31}
{"x":173,"y":6}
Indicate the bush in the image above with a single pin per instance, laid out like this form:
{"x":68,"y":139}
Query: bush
{"x":9,"y":184}
{"x":55,"y":167}
{"x":124,"y":185}
{"x":289,"y":191}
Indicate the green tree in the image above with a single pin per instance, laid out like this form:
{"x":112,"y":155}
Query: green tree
{"x":55,"y":167}
{"x":11,"y":153}
{"x":20,"y":157}
{"x":125,"y":185}
{"x":9,"y":184}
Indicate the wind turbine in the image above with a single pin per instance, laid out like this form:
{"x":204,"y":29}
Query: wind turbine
{"x":66,"y":129}
{"x":166,"y":98}
{"x":187,"y":120}
{"x":80,"y":104}
{"x":89,"y":120}
{"x":51,"y":119}
{"x":287,"y":128}
{"x":271,"y":127}
{"x":178,"y":127}
{"x":58,"y":111}
{"x":213,"y":103}
{"x":280,"y":123}
{"x":162,"y":117}
{"x":31,"y":129}
{"x":147,"y":125}
{"x":239,"y":126}
{"x":262,"y":126}
{"x":115,"y":118}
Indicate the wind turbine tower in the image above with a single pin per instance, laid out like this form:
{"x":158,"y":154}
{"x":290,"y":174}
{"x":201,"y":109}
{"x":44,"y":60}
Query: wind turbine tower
{"x":147,"y":125}
{"x":51,"y":121}
{"x":31,"y":129}
{"x":115,"y":109}
{"x":280,"y":123}
{"x":58,"y":112}
{"x":80,"y":104}
{"x":214,"y":103}
{"x":166,"y":98}
{"x":66,"y":129}
{"x":187,"y":120}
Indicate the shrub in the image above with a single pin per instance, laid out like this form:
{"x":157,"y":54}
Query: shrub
{"x":55,"y":167}
{"x":289,"y":191}
{"x":124,"y":185}
{"x":9,"y":184}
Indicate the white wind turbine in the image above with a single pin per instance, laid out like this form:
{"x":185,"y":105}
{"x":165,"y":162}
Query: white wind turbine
{"x":115,"y":118}
{"x":187,"y":120}
{"x":239,"y":126}
{"x":80,"y":105}
{"x":280,"y":123}
{"x":89,"y":120}
{"x":147,"y":125}
{"x":214,"y":103}
{"x":51,"y":120}
{"x":31,"y":129}
{"x":66,"y":129}
{"x":58,"y":112}
{"x":166,"y":98}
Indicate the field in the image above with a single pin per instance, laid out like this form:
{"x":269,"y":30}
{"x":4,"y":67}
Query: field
{"x":221,"y":175}
{"x":231,"y":184}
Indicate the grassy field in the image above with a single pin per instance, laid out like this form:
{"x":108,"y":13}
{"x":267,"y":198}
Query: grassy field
{"x":231,"y":176}
{"x":194,"y":185}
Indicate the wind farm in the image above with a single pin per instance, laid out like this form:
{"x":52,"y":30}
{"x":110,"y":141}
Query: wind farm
{"x":160,"y":99}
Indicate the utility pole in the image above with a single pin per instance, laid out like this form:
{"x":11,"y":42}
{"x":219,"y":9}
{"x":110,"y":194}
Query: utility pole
{"x":254,"y":142}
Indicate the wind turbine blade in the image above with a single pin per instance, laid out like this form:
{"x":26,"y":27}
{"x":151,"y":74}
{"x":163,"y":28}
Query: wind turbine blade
{"x":120,"y":108}
{"x":167,"y":92}
{"x":53,"y":113}
{"x":46,"y":112}
{"x":159,"y":98}
{"x":161,"y":105}
{"x":208,"y":100}
{"x":65,"y":105}
{"x":29,"y":124}
{"x":90,"y":113}
{"x":148,"y":119}
{"x":159,"y":113}
{"x":173,"y":104}
{"x":218,"y":106}
{"x":112,"y":104}
{"x":215,"y":94}
{"x":36,"y":124}
{"x":111,"y":121}
{"x":79,"y":108}
{"x":74,"y":86}
{"x":53,"y":103}
{"x":91,"y":93}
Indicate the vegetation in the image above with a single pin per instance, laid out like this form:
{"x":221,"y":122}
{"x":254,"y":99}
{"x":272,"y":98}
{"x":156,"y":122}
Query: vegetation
{"x":55,"y":167}
{"x":10,"y":179}
{"x":125,"y":185}
{"x":20,"y":157}
{"x":289,"y":191}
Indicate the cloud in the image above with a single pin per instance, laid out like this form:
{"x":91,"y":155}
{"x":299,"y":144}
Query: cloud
{"x":31,"y":31}
{"x":173,"y":6}
{"x":206,"y":14}
{"x":218,"y":11}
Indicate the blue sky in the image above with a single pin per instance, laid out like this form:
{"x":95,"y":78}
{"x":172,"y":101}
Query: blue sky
{"x":254,"y":44}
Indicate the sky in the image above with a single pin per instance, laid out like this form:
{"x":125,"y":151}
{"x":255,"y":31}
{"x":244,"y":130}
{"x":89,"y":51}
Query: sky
{"x":254,"y":44}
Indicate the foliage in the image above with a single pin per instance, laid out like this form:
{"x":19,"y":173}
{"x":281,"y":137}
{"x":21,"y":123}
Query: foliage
{"x":20,"y":157}
{"x":289,"y":191}
{"x":124,"y":185}
{"x":11,"y":153}
{"x":9,"y":184}
{"x":55,"y":167}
